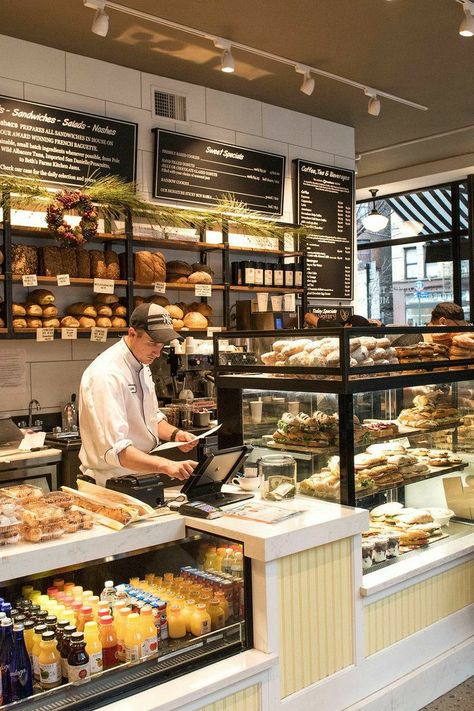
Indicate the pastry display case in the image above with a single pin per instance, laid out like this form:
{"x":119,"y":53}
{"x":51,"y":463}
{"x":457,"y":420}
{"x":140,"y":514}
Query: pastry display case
{"x":189,"y":602}
{"x":370,"y":423}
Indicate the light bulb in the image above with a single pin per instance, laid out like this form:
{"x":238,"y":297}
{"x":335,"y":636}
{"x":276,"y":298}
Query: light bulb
{"x":466,"y":28}
{"x":100,"y":26}
{"x":227,"y":62}
{"x":307,"y":87}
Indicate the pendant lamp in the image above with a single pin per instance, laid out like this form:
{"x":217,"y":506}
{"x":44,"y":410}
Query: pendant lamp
{"x":374,"y":221}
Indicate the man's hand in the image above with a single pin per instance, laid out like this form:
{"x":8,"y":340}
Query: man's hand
{"x":179,"y":470}
{"x":187,"y":437}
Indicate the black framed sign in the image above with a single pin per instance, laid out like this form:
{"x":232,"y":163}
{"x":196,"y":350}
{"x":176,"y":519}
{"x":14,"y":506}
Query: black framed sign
{"x":325,"y":202}
{"x":62,"y":146}
{"x":191,"y":169}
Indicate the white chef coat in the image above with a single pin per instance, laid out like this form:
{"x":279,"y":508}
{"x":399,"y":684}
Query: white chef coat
{"x":117,"y":408}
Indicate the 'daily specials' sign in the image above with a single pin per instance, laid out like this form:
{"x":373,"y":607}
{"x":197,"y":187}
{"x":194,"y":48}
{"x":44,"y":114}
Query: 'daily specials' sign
{"x":63,"y":147}
{"x":325,"y":203}
{"x":191,"y":169}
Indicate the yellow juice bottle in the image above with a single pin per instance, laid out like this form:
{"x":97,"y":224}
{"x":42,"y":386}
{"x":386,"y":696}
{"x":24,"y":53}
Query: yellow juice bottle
{"x":93,"y":646}
{"x":29,"y":636}
{"x":148,"y":630}
{"x":176,"y":622}
{"x":186,"y":613}
{"x":200,"y":620}
{"x":224,"y":603}
{"x":35,"y":651}
{"x":217,"y":614}
{"x":120,"y":626}
{"x":132,"y":638}
{"x":134,"y":582}
{"x":49,"y":661}
{"x":210,"y":558}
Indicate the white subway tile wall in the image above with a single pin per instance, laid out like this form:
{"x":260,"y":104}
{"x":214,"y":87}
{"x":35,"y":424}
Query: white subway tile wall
{"x":51,"y":76}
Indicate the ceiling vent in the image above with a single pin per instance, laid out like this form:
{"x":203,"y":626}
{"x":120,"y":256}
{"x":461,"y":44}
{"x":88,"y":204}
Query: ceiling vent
{"x":167,"y":105}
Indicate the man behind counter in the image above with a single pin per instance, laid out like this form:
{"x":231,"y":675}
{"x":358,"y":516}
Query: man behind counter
{"x":120,"y":422}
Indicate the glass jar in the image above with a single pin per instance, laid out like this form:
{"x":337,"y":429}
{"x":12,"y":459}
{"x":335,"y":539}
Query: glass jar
{"x":277,"y":474}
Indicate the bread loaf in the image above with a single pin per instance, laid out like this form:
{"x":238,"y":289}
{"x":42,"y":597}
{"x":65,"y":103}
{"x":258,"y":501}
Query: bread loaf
{"x":203,"y":308}
{"x":50,"y":311}
{"x":51,"y":261}
{"x":69,"y":322}
{"x":34,"y":323}
{"x":200,"y":278}
{"x":41,"y":297}
{"x":34,"y":310}
{"x":24,"y":259}
{"x":118,"y":322}
{"x":69,"y":262}
{"x":174,"y":311}
{"x":179,"y":268}
{"x":81,"y":309}
{"x":103,"y":310}
{"x":18,"y":310}
{"x":98,"y":266}
{"x":195,"y":320}
{"x":137,"y":300}
{"x":197,"y":267}
{"x":103,"y":322}
{"x":112,"y":264}
{"x":51,"y":323}
{"x":119,"y":310}
{"x":159,"y":267}
{"x":86,"y":322}
{"x":19,"y":323}
{"x":2,"y":323}
{"x":83,"y":263}
{"x":178,"y":324}
{"x":144,"y":267}
{"x":106,"y":299}
{"x":159,"y":299}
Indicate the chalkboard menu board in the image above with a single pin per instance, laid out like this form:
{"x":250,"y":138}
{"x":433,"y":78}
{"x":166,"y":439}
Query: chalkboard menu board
{"x":190,"y":169}
{"x":63,"y":147}
{"x":325,"y":202}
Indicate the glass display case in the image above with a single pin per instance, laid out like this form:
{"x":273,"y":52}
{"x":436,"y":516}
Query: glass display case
{"x":192,"y":604}
{"x":378,"y":418}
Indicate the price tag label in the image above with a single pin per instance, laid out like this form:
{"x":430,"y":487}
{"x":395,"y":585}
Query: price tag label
{"x":159,"y":287}
{"x":289,"y":302}
{"x":404,"y":441}
{"x":203,"y":290}
{"x":103,"y":286}
{"x":30,"y":280}
{"x":45,"y":334}
{"x":98,"y":334}
{"x":63,"y":280}
{"x":68,"y":334}
{"x":213,"y":329}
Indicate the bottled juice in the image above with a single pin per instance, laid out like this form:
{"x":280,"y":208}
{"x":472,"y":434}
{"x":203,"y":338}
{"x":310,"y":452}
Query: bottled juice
{"x":87,"y":594}
{"x":51,"y":622}
{"x":84,"y":615}
{"x":178,"y":600}
{"x":60,"y":627}
{"x":67,"y":601}
{"x":59,"y":583}
{"x":78,"y":659}
{"x":120,"y":626}
{"x":132,"y":638}
{"x":77,"y":591}
{"x":75,"y":607}
{"x":26,"y":590}
{"x":176,"y":622}
{"x":35,"y":651}
{"x":186,"y":613}
{"x":68,"y":587}
{"x":93,"y":601}
{"x":148,"y":630}
{"x":103,"y":606}
{"x":108,"y":638}
{"x":217,"y":614}
{"x":220,"y":595}
{"x":109,"y":593}
{"x":237,"y":565}
{"x":200,"y":620}
{"x":65,"y":645}
{"x":118,"y":606}
{"x":49,"y":661}
{"x":162,"y":607}
{"x":220,"y":554}
{"x":226,"y":566}
{"x":134,"y":582}
{"x":168,"y":579}
{"x":210,"y":557}
{"x":59,"y":612}
{"x":93,"y":646}
{"x":29,"y":636}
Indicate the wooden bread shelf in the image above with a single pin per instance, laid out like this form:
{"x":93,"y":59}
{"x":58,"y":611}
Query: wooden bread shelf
{"x":44,"y":233}
{"x":175,"y":287}
{"x":75,"y":281}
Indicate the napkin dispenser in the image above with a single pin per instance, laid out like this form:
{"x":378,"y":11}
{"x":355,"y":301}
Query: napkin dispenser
{"x":144,"y":487}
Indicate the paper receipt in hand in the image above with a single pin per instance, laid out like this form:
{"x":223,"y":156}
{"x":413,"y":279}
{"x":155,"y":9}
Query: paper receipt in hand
{"x":171,"y":445}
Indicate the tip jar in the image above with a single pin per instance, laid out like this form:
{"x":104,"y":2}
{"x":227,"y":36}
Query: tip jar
{"x":277,"y":473}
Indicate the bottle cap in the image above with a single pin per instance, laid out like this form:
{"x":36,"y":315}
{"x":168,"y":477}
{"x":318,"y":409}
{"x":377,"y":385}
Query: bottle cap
{"x":6,"y":622}
{"x":39,"y":629}
{"x":48,"y":636}
{"x":77,"y":637}
{"x":107,"y":619}
{"x":51,"y":620}
{"x":29,"y":624}
{"x":109,"y":583}
{"x":63,"y":623}
{"x":86,"y":610}
{"x":70,"y":629}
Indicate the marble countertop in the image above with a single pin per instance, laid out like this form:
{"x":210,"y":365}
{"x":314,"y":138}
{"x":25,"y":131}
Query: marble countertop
{"x":9,"y":459}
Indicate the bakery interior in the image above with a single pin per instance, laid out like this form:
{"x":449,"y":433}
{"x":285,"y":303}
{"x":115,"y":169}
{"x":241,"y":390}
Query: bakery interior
{"x":351,"y":448}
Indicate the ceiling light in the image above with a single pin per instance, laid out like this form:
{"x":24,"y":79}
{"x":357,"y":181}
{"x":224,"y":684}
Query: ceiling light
{"x":466,"y":28}
{"x":307,"y":86}
{"x":227,"y":60}
{"x":373,"y":107}
{"x":100,"y":24}
{"x":374,"y":221}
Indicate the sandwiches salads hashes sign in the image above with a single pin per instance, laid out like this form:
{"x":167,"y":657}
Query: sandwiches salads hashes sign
{"x":191,"y":169}
{"x":63,"y":147}
{"x":325,"y":203}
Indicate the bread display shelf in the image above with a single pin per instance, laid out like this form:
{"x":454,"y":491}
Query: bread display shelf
{"x":432,"y":474}
{"x":270,"y":289}
{"x":176,"y":287}
{"x":74,"y":281}
{"x":19,"y":331}
{"x":44,"y":233}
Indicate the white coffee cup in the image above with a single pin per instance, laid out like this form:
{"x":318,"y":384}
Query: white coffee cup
{"x":256,"y":407}
{"x":277,"y":303}
{"x":293,"y":407}
{"x":247,"y":483}
{"x":262,"y":301}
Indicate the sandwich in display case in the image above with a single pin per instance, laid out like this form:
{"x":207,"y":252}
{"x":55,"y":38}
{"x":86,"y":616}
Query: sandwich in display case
{"x":370,"y":423}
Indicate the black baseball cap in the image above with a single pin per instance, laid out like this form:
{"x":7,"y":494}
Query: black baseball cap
{"x":449,"y":310}
{"x":156,"y":321}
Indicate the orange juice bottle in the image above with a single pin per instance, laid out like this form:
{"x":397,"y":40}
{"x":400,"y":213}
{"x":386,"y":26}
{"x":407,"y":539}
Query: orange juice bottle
{"x":49,"y":661}
{"x":120,"y":625}
{"x":168,"y":579}
{"x":29,"y":637}
{"x":220,"y":595}
{"x":210,"y":557}
{"x":134,"y":582}
{"x":59,"y":583}
{"x":132,"y":638}
{"x":93,"y":646}
{"x":217,"y":614}
{"x":148,"y":630}
{"x":186,"y":613}
{"x":39,"y":629}
{"x":84,"y":615}
{"x":220,"y":554}
{"x":176,"y":622}
{"x":200,"y":620}
{"x":93,"y":601}
{"x":108,"y":638}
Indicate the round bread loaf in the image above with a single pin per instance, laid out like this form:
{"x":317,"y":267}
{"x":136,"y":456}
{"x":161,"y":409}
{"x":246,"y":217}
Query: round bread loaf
{"x":174,"y":311}
{"x":103,"y":310}
{"x":154,"y":299}
{"x":50,"y":311}
{"x":86,"y":322}
{"x":195,"y":320}
{"x":103,"y":322}
{"x":118,"y":322}
{"x":41,"y":297}
{"x":106,"y":299}
{"x":200,"y":278}
{"x":178,"y":324}
{"x":19,"y":323}
{"x":34,"y":323}
{"x":51,"y":323}
{"x":69,"y":322}
{"x":197,"y":267}
{"x":179,"y":268}
{"x":18,"y":310}
{"x":119,"y":310}
{"x":34,"y":310}
{"x":81,"y":309}
{"x":202,"y":308}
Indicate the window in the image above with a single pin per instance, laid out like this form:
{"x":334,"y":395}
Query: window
{"x":411,"y":263}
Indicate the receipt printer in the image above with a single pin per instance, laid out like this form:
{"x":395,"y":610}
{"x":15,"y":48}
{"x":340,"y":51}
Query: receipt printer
{"x":144,"y":487}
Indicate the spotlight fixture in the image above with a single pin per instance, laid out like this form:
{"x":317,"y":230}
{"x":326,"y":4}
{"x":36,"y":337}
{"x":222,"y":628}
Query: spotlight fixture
{"x":227,"y":60}
{"x":373,"y":107}
{"x":466,"y":28}
{"x":374,"y":221}
{"x":307,"y":86}
{"x":100,"y":24}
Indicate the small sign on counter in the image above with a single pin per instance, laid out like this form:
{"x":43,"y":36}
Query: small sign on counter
{"x":203,"y":290}
{"x":159,"y":287}
{"x":63,"y":280}
{"x":213,"y":329}
{"x":45,"y":334}
{"x":98,"y":334}
{"x":68,"y":334}
{"x":103,"y":286}
{"x":30,"y":280}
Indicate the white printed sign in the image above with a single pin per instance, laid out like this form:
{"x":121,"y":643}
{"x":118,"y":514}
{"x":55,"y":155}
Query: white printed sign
{"x":103,"y":286}
{"x":63,"y":280}
{"x":45,"y":334}
{"x":98,"y":334}
{"x":213,"y":329}
{"x":30,"y":280}
{"x":159,"y":287}
{"x":203,"y":290}
{"x":69,"y":334}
